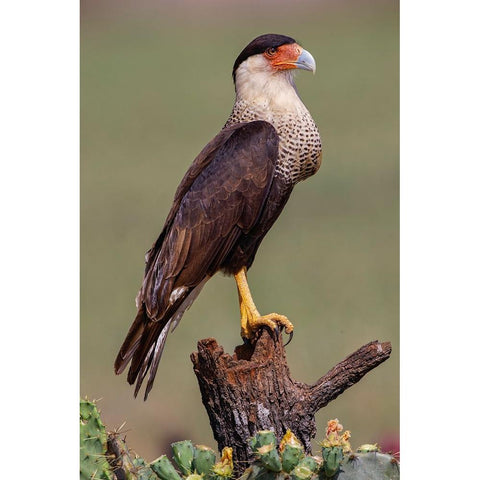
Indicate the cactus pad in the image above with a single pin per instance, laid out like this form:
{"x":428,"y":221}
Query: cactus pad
{"x":366,"y":466}
{"x":183,"y":456}
{"x":93,"y":444}
{"x":339,"y":463}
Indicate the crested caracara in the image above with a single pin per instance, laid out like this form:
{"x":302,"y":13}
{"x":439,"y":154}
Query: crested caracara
{"x":227,"y":201}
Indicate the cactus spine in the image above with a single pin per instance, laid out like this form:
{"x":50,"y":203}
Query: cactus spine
{"x":93,"y":444}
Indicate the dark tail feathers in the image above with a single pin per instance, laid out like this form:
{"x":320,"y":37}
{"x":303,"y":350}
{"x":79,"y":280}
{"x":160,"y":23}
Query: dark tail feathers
{"x":144,"y":347}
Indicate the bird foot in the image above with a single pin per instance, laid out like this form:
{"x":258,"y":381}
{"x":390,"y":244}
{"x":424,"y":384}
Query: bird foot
{"x":274,"y":321}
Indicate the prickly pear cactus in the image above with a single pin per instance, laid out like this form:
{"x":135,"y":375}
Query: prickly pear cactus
{"x":194,"y":462}
{"x":125,"y":463}
{"x":106,"y":457}
{"x":370,"y":465}
{"x":288,"y":461}
{"x":93,"y":444}
{"x":340,"y":463}
{"x":204,"y":459}
{"x":337,"y":461}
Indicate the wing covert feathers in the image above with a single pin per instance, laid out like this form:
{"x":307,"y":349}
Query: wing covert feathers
{"x":220,"y":198}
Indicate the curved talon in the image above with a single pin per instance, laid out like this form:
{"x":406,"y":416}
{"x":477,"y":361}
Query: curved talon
{"x":290,"y":338}
{"x":253,"y":324}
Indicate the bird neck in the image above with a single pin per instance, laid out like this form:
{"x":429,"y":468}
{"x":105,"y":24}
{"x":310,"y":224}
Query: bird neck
{"x":267,"y":91}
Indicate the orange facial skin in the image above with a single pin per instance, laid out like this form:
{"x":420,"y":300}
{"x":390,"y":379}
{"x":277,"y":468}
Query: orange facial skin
{"x":284,"y":57}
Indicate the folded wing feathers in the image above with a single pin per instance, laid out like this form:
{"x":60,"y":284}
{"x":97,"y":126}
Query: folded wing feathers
{"x":220,"y":197}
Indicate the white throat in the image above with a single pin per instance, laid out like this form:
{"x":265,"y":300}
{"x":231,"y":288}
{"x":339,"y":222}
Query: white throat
{"x":264,"y":89}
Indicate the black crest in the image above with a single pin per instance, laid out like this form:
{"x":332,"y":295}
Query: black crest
{"x":259,"y":45}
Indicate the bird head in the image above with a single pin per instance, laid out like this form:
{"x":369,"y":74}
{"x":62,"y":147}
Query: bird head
{"x":267,"y":64}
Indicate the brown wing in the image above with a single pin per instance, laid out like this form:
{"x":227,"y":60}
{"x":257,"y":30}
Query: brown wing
{"x":221,"y":196}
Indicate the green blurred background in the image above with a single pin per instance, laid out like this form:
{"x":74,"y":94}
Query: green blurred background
{"x":155,"y":88}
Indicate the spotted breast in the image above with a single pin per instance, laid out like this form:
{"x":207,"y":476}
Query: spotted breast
{"x":300,"y":145}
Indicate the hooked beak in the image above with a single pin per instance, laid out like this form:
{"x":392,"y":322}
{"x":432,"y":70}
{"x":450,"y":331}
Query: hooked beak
{"x":306,"y":61}
{"x":292,"y":56}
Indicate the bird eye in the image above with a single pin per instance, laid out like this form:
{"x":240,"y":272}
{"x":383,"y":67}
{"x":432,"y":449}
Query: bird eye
{"x":271,"y":51}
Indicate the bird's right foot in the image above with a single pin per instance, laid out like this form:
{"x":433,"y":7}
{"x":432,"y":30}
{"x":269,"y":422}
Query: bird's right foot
{"x":251,"y":320}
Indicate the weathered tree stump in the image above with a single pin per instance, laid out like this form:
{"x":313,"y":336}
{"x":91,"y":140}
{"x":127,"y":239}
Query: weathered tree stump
{"x":252,"y":390}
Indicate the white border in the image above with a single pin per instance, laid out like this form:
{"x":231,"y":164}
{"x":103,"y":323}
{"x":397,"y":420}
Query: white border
{"x":440,"y":237}
{"x":39,"y":196}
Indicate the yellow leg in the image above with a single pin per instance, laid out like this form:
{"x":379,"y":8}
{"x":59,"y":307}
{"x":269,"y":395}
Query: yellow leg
{"x":251,"y":320}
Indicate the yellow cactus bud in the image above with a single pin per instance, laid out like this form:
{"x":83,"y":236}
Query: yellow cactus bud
{"x":289,"y":439}
{"x":224,"y":467}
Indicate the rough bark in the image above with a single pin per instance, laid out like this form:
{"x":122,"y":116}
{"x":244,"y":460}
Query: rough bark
{"x":252,"y":390}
